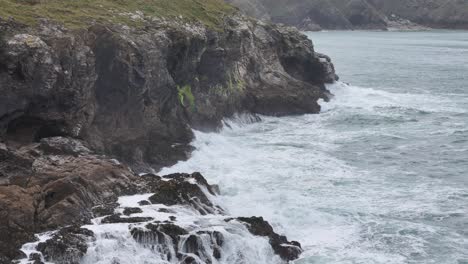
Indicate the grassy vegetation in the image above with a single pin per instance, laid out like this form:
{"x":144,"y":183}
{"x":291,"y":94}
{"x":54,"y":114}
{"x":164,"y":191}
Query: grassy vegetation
{"x":185,"y":94}
{"x":80,"y":13}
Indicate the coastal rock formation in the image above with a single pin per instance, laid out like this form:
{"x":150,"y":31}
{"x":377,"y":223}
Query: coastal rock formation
{"x":41,"y":191}
{"x":134,"y":94}
{"x":360,"y":14}
{"x":288,"y":250}
{"x":84,"y":109}
{"x":175,"y":242}
{"x":68,"y":245}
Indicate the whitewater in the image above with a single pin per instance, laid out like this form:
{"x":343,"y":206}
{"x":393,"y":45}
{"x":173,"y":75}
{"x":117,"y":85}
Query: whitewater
{"x":379,"y":176}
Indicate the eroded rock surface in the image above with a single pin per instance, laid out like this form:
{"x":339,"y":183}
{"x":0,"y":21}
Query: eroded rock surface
{"x":77,"y":103}
{"x":288,"y":250}
{"x":43,"y":191}
{"x":182,"y":188}
{"x":67,"y":246}
{"x":134,"y":93}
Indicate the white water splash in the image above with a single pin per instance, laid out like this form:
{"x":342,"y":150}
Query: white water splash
{"x":356,"y":207}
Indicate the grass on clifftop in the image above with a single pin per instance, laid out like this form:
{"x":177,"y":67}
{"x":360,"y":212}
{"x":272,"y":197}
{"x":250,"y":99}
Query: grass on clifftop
{"x":80,"y":13}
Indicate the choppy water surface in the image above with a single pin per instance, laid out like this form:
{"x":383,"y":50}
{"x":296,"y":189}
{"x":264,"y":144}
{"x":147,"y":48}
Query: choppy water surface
{"x":381,"y":175}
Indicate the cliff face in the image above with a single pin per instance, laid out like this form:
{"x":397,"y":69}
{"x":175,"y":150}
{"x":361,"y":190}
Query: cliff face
{"x":134,"y":93}
{"x":361,"y":14}
{"x":74,"y":98}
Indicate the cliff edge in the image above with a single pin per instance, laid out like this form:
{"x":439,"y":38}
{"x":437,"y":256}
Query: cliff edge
{"x":94,"y":95}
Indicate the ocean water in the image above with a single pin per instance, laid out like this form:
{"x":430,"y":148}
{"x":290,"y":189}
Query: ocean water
{"x":380,"y":176}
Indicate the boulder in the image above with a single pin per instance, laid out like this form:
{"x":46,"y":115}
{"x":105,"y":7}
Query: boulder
{"x":132,"y":210}
{"x":182,"y":188}
{"x":287,"y":250}
{"x":67,"y":246}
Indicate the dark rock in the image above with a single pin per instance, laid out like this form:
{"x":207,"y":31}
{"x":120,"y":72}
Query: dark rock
{"x":194,"y":244}
{"x":67,"y":246}
{"x":157,"y":235}
{"x":132,"y":210}
{"x":287,"y":250}
{"x":104,"y":209}
{"x":144,"y":202}
{"x":63,"y":146}
{"x":48,"y":191}
{"x":35,"y":258}
{"x":188,"y":259}
{"x":70,"y":96}
{"x":172,"y":230}
{"x":119,"y":90}
{"x":115,"y":218}
{"x":182,"y":189}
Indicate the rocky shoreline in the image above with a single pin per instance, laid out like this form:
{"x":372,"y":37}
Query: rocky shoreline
{"x":84,"y":111}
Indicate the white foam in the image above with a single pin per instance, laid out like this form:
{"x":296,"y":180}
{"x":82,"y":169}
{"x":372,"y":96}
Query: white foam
{"x":289,"y":170}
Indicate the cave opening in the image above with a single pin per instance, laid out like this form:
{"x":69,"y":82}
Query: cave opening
{"x":25,"y":130}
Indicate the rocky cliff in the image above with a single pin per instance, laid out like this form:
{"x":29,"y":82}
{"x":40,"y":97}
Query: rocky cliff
{"x":79,"y":93}
{"x":360,"y":14}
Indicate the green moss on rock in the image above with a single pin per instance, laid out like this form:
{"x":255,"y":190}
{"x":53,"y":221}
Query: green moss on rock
{"x":186,"y":96}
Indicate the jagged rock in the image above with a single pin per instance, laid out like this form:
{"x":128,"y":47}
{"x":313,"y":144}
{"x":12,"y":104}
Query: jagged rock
{"x":104,"y":209}
{"x":132,"y":210}
{"x":35,"y":258}
{"x":45,"y":192}
{"x":116,"y":218}
{"x":164,"y":237}
{"x":68,"y":246}
{"x":119,"y":89}
{"x":158,"y":234}
{"x":287,"y":250}
{"x":63,"y":146}
{"x":69,"y":97}
{"x":181,"y":188}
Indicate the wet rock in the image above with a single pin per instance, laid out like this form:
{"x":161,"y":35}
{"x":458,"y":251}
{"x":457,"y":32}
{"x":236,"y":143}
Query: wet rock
{"x":67,"y":246}
{"x":46,"y":192}
{"x":287,"y":250}
{"x":35,"y":258}
{"x":194,"y":244}
{"x":132,"y":210}
{"x":168,"y":237}
{"x":116,"y":218}
{"x":182,"y":188}
{"x":69,"y":97}
{"x":144,"y":202}
{"x":161,"y":237}
{"x":104,"y":209}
